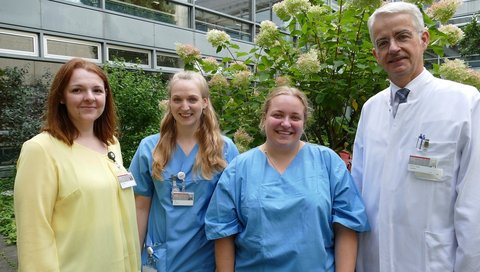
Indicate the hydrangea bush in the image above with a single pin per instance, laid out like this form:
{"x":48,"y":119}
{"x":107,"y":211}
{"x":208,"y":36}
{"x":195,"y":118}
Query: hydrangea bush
{"x":327,"y":54}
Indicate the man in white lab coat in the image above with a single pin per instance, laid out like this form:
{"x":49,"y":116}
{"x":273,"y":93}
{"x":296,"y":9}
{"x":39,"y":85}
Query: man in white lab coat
{"x":416,"y":158}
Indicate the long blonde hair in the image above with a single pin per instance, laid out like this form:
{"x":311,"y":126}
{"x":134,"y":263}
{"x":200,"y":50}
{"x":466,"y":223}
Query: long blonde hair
{"x":209,"y":138}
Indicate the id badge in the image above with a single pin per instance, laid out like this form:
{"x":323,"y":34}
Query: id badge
{"x":425,"y":168}
{"x":182,"y":198}
{"x":126,"y":180}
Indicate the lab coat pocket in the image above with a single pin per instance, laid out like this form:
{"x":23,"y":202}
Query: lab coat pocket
{"x":440,"y":249}
{"x":443,"y":153}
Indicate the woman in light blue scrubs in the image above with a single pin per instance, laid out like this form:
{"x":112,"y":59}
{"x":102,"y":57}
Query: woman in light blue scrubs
{"x":286,"y":205}
{"x":176,"y":172}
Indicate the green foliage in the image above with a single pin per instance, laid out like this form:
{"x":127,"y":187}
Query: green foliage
{"x":470,"y":45}
{"x":21,"y":106}
{"x":328,"y":55}
{"x":7,"y":218}
{"x":137,"y":95}
{"x":329,"y":59}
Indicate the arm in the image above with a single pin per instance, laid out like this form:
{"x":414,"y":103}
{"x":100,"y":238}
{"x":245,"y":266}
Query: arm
{"x":467,"y":213}
{"x":225,"y":254}
{"x":142,"y":204}
{"x":345,"y":248}
{"x":35,"y":194}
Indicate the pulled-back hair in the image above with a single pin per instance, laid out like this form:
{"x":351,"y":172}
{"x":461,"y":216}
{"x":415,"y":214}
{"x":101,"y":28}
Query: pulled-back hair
{"x":285,"y":90}
{"x":210,"y":142}
{"x":58,"y":123}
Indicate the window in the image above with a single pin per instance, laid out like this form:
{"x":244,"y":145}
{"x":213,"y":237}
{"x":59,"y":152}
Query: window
{"x":238,"y":8}
{"x":93,"y":3}
{"x":206,"y":21}
{"x":264,"y":12}
{"x":63,"y":48}
{"x":171,"y":61}
{"x":16,"y":42}
{"x":130,"y":56}
{"x":159,"y":10}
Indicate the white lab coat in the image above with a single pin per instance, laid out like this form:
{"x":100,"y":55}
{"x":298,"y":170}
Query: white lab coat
{"x":420,"y":225}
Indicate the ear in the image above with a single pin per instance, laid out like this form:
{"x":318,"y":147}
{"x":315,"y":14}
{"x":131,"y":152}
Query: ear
{"x":205,"y":103}
{"x":374,"y":52}
{"x":425,"y":37}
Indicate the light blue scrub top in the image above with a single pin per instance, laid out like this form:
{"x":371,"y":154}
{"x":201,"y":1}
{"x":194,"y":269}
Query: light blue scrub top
{"x":285,"y":222}
{"x":176,"y":233}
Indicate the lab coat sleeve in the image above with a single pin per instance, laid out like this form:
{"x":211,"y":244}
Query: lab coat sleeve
{"x":35,"y":194}
{"x":467,"y":212}
{"x":357,"y":160}
{"x":221,"y":219}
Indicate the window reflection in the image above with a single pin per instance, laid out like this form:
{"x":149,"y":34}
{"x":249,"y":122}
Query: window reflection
{"x":169,"y":61}
{"x":158,"y":10}
{"x":206,"y":21}
{"x":238,"y":8}
{"x":62,"y":48}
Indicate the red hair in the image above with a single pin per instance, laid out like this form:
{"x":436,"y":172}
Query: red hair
{"x":57,"y":122}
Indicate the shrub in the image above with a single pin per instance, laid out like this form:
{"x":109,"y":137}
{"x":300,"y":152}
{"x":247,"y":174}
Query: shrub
{"x":137,"y":95}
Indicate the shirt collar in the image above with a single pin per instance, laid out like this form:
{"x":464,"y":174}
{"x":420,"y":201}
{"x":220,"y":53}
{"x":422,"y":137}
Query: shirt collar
{"x":415,"y":86}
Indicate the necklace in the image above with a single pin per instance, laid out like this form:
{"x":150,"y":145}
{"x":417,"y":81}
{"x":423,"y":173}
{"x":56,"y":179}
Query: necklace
{"x":274,"y":164}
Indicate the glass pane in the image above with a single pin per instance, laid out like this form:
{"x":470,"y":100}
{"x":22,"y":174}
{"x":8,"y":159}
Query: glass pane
{"x":128,"y":56}
{"x":264,"y":12}
{"x":237,"y":8}
{"x":16,"y":42}
{"x":169,"y":61}
{"x":64,"y":48}
{"x":93,"y":3}
{"x":160,"y":10}
{"x":206,"y":21}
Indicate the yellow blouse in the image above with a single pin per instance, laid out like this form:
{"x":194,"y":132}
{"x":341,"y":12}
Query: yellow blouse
{"x":71,"y":212}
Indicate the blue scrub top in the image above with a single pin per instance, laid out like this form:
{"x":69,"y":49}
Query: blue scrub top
{"x":285,"y":222}
{"x":176,"y":233}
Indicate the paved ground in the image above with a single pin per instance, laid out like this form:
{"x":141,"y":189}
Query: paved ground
{"x":8,"y":257}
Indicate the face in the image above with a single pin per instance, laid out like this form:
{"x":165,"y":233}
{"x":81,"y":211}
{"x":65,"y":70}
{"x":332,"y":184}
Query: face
{"x":186,"y":103}
{"x":84,"y":97}
{"x":399,"y":47}
{"x":284,"y":121}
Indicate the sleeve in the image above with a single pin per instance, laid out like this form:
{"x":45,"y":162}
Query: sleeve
{"x":467,"y":212}
{"x":347,"y":206}
{"x":35,"y":194}
{"x":221,"y":219}
{"x":357,"y":159}
{"x":230,"y":149}
{"x":140,"y":167}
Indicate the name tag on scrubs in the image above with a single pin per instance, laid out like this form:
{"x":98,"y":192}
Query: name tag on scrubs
{"x":126,"y":180}
{"x":182,"y":198}
{"x":425,"y":167}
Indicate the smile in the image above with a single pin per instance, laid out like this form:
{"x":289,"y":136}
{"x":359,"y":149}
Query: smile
{"x":284,"y":132}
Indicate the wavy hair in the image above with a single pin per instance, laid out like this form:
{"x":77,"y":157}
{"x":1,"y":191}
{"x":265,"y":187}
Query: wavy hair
{"x":56,"y":120}
{"x":209,"y":138}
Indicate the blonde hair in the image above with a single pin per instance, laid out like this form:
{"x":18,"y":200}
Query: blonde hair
{"x":285,"y":90}
{"x":210,"y":142}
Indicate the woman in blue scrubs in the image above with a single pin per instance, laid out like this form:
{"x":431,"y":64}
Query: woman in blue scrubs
{"x":286,"y":205}
{"x":176,"y":172}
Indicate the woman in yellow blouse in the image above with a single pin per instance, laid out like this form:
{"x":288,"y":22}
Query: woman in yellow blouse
{"x":74,"y":202}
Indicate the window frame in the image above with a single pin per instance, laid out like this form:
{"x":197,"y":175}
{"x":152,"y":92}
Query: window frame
{"x":131,"y":49}
{"x":33,"y":36}
{"x":47,"y":38}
